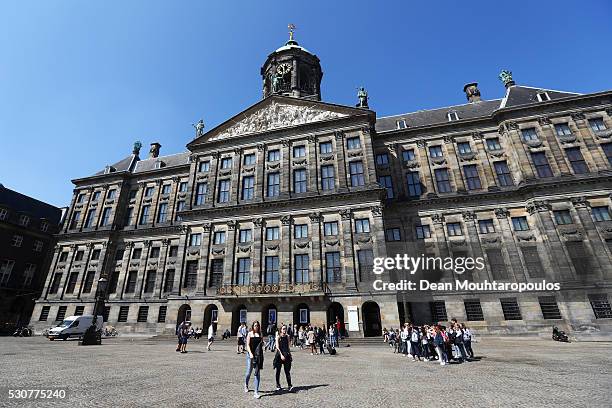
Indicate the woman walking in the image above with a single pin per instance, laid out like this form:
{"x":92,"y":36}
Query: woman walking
{"x":311,"y":341}
{"x":211,"y":336}
{"x":283,"y":358}
{"x":255,"y":357}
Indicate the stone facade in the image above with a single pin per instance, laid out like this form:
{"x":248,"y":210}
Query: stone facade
{"x":284,"y":206}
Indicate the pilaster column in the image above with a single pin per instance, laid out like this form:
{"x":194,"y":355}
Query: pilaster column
{"x":52,"y":270}
{"x":424,"y":168}
{"x":235,"y":181}
{"x":313,"y":165}
{"x":604,"y":270}
{"x":559,"y":164}
{"x":286,"y":252}
{"x":260,"y":171}
{"x":202,"y":279}
{"x":230,"y":246}
{"x":211,"y":195}
{"x":520,"y":164}
{"x":453,"y":164}
{"x":286,"y":172}
{"x":180,"y":262}
{"x":348,"y":270}
{"x":160,"y":276}
{"x":369,"y":164}
{"x":592,"y":154}
{"x":316,"y":266}
{"x":483,"y":158}
{"x":341,"y":162}
{"x":257,"y":260}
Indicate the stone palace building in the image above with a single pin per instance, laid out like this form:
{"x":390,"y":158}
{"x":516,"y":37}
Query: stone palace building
{"x":277,"y":214}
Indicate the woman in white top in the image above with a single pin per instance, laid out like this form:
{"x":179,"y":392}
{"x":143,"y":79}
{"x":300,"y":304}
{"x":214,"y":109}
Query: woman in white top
{"x":211,"y":336}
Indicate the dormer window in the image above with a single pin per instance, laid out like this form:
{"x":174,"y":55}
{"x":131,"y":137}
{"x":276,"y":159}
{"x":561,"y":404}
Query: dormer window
{"x":543,"y":96}
{"x":452,"y":115}
{"x":159,"y":164}
{"x":401,"y":124}
{"x":24,"y":220}
{"x":109,"y":169}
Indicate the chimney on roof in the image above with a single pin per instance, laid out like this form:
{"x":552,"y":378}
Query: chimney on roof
{"x":154,"y":152}
{"x":472,"y":93}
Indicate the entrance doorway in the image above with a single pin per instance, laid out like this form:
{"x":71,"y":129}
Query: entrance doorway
{"x":239,"y":315}
{"x":301,"y":315}
{"x":211,"y":315}
{"x":370,"y":313}
{"x":335,"y":311}
{"x":184,"y":314}
{"x":268,"y":316}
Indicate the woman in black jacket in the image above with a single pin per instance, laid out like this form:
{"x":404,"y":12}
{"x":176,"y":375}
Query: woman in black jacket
{"x":283,"y":357}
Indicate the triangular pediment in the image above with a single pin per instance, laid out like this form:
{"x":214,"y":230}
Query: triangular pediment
{"x":276,"y":113}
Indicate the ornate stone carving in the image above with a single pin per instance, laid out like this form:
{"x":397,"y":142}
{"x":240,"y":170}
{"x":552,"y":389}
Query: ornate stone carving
{"x":339,"y":135}
{"x":579,"y":202}
{"x":437,"y":218}
{"x":312,"y":138}
{"x":328,"y":157}
{"x":501,"y":129}
{"x":272,"y":247}
{"x":206,"y":227}
{"x":449,"y":139}
{"x":376,"y":211}
{"x":468,"y":215}
{"x":276,"y":116}
{"x":273,"y":166}
{"x":421,"y":143}
{"x":244,"y":249}
{"x":355,"y":154}
{"x":218,"y":251}
{"x":165,"y":242}
{"x":258,"y":222}
{"x":332,"y":243}
{"x":512,"y":125}
{"x":544,"y":120}
{"x":302,"y":245}
{"x":539,"y":206}
{"x":315,"y":217}
{"x":477,"y":135}
{"x":576,"y":116}
{"x":346,"y":214}
{"x":231,"y":225}
{"x":525,"y":236}
{"x":286,"y":142}
{"x":457,"y":243}
{"x":299,"y":162}
{"x":286,"y":220}
{"x":490,"y":240}
{"x":364,"y":240}
{"x":533,"y":143}
{"x":147,"y":243}
{"x":411,"y":164}
{"x":501,"y":213}
{"x":261,"y":147}
{"x":438,"y":160}
{"x":467,"y":156}
{"x":571,"y":138}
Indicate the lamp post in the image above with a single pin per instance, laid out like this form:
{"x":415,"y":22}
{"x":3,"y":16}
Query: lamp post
{"x":92,"y":335}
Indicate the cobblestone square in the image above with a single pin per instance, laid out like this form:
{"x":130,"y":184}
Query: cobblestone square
{"x":143,"y":372}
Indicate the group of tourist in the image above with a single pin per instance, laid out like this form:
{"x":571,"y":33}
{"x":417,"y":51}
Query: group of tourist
{"x":432,"y":343}
{"x":184,"y":331}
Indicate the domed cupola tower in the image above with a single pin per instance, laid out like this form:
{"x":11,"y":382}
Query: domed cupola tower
{"x":292,"y":70}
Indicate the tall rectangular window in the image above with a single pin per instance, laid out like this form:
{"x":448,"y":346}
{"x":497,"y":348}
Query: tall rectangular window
{"x":183,"y":187}
{"x":601,"y":213}
{"x":443,"y":181}
{"x":272,"y":272}
{"x":362,"y":226}
{"x":191,"y":275}
{"x":44,"y":314}
{"x":533,"y":264}
{"x":486,"y":226}
{"x":415,"y":189}
{"x":541,"y":164}
{"x":576,"y":160}
{"x":180,"y":206}
{"x":511,"y":309}
{"x":245,"y":235}
{"x":435,"y":151}
{"x":248,"y":187}
{"x":353,"y":143}
{"x":166,"y":189}
{"x":504,"y":178}
{"x":131,"y":282}
{"x":408,"y":155}
{"x":143,"y":314}
{"x":325,"y":147}
{"x":597,"y":124}
{"x":204,"y":166}
{"x":299,"y":181}
{"x":114,"y":282}
{"x":464,"y":147}
{"x":493,"y":144}
{"x":330,"y":228}
{"x":161,"y":316}
{"x":129,"y":216}
{"x":216,"y":272}
{"x":219,"y":238}
{"x":89,"y":279}
{"x":300,"y":231}
{"x":273,"y":184}
{"x":244,"y":271}
{"x":123,"y":314}
{"x":149,"y":191}
{"x":382,"y":159}
{"x":195,"y":239}
{"x":580,"y":257}
{"x":72,"y":280}
{"x":438,"y":311}
{"x":150,"y":282}
{"x":328,"y":177}
{"x":393,"y":234}
{"x":226,"y":163}
{"x":299,"y":151}
{"x":105,"y":216}
{"x":249,"y":159}
{"x":169,"y":283}
{"x":356,"y":172}
{"x":144,"y":214}
{"x":607,"y":148}
{"x":28,"y":274}
{"x":272,"y":233}
{"x":549,"y":308}
{"x":76,"y":217}
{"x":497,"y":264}
{"x":301,"y":268}
{"x":224,"y":191}
{"x":90,"y":219}
{"x":529,"y":134}
{"x":162,"y":214}
{"x":273,"y":155}
{"x":365,"y":260}
{"x":562,"y":129}
{"x":333,"y":267}
{"x":563,"y":217}
{"x":520,"y":223}
{"x":387,"y":183}
{"x":57,"y":279}
{"x":201,"y":191}
{"x":473,"y":310}
{"x":454,"y":229}
{"x":423,"y":231}
{"x":61,"y":313}
{"x":471,"y":177}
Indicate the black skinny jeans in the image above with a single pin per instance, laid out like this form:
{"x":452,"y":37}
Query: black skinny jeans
{"x":287,"y":367}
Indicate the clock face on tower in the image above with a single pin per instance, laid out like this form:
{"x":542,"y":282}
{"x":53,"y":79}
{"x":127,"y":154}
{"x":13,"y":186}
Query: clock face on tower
{"x":283,"y":69}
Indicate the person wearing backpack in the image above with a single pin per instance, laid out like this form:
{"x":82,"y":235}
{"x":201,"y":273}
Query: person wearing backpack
{"x":439,"y":344}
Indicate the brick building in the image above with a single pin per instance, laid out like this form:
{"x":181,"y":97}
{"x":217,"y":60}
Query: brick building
{"x":278,"y":212}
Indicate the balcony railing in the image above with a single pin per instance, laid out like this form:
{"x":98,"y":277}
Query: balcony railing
{"x":273,"y":289}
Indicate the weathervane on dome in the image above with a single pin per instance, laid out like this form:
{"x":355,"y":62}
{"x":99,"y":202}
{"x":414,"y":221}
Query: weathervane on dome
{"x":291,"y":27}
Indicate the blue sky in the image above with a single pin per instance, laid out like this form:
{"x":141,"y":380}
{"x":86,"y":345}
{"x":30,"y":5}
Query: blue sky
{"x":81,"y":81}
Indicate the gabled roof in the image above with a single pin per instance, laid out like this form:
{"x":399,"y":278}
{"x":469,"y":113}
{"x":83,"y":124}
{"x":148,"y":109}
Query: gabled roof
{"x":277,"y":112}
{"x":523,"y":95}
{"x":436,"y":116}
{"x":126,"y":164}
{"x":515,"y":96}
{"x":172,"y":160}
{"x":22,"y":203}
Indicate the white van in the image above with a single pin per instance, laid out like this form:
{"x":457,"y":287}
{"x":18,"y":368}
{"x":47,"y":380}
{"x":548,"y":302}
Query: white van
{"x":73,"y":326}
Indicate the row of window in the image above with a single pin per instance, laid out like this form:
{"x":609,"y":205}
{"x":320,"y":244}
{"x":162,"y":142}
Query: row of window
{"x":6,"y":269}
{"x":143,"y":312}
{"x":17,"y":242}
{"x":24,"y":220}
{"x":486,"y":226}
